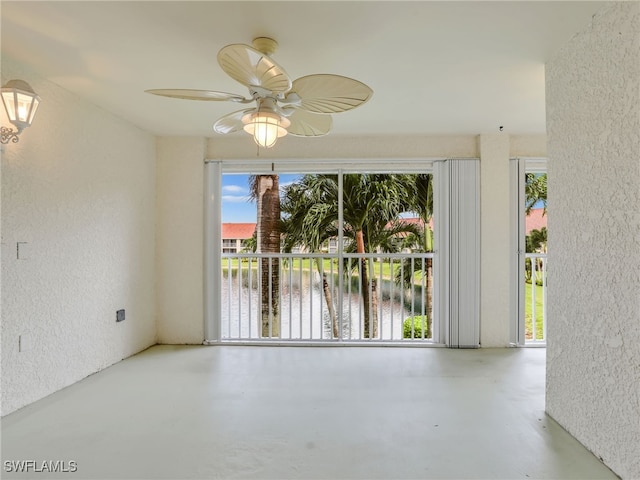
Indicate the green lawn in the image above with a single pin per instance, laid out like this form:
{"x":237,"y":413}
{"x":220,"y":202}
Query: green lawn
{"x":528,"y":312}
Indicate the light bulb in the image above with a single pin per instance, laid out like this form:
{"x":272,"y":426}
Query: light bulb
{"x":22,"y":113}
{"x":265,"y":127}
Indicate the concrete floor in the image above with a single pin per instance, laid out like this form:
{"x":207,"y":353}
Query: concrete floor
{"x":304,"y":412}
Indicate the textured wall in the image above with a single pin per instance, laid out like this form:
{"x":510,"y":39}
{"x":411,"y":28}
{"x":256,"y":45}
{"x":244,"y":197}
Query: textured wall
{"x":593,"y":122}
{"x":79,"y":188}
{"x":528,"y":146}
{"x":180,"y":235}
{"x":340,"y":146}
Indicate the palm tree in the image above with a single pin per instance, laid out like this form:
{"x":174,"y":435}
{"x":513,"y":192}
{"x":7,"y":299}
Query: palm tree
{"x":536,"y":241}
{"x":421,"y":203}
{"x":371,"y":202}
{"x":265,"y":191}
{"x":250,"y":245}
{"x":308,"y":223}
{"x":371,"y":205}
{"x":535,"y":190}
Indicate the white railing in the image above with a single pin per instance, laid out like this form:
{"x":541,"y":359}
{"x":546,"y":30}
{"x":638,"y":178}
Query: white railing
{"x":536,"y":298}
{"x":320,"y":297}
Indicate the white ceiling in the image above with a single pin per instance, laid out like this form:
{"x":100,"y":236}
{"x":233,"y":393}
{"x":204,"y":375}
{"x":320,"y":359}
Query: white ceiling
{"x":435,"y":67}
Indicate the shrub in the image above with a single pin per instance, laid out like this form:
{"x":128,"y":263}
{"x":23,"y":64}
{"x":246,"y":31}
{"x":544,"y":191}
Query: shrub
{"x":420,"y":323}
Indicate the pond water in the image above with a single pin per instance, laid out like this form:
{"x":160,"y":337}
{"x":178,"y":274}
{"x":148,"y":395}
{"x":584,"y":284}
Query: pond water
{"x":303,"y":309}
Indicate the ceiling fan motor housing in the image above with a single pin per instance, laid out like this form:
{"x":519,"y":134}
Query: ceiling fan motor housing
{"x":265,"y":45}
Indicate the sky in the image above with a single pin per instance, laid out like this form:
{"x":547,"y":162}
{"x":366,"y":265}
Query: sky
{"x":237,"y":207}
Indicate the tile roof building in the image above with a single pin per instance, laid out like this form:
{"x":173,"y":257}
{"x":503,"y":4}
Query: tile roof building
{"x":536,"y":220}
{"x":233,"y":234}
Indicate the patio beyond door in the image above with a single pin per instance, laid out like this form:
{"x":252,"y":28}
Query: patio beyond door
{"x":529,"y":178}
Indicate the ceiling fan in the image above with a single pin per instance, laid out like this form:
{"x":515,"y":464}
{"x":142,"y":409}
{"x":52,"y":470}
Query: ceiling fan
{"x":301,"y":107}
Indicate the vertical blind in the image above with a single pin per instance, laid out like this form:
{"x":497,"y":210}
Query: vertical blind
{"x":457,"y":214}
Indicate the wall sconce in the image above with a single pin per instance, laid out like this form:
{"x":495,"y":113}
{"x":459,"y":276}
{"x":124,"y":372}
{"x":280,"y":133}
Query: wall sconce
{"x":20,"y":103}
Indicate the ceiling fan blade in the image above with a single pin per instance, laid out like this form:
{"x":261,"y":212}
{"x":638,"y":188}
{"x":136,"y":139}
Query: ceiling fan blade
{"x":208,"y":95}
{"x":325,"y":93}
{"x":253,"y":68}
{"x":307,"y":124}
{"x":231,"y":123}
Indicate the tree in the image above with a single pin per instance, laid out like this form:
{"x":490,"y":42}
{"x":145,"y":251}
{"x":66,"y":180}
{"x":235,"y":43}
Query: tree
{"x":309,"y":223}
{"x":250,"y":245}
{"x":265,"y":191}
{"x":535,"y":191}
{"x":371,"y":202}
{"x":421,"y":203}
{"x":371,"y":206}
{"x":536,"y":241}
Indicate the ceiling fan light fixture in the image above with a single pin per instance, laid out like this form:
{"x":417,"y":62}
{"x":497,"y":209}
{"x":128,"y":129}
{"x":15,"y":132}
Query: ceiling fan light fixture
{"x":301,"y":107}
{"x":265,"y":127}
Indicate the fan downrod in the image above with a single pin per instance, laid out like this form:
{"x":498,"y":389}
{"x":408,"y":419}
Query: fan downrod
{"x":265,"y":45}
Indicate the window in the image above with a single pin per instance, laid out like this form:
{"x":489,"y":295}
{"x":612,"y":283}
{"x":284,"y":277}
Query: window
{"x":229,"y":245}
{"x":329,"y":289}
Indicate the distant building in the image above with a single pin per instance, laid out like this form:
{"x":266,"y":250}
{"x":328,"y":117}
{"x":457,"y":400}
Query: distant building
{"x":233,"y":234}
{"x":535,"y":220}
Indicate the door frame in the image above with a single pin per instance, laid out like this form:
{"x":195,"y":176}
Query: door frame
{"x":214,"y":169}
{"x":519,"y":166}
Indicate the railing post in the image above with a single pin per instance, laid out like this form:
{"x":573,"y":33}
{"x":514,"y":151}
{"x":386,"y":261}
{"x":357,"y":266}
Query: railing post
{"x":544,"y":299}
{"x":537,"y":268}
{"x":340,"y":312}
{"x":534,"y":313}
{"x":302,"y":299}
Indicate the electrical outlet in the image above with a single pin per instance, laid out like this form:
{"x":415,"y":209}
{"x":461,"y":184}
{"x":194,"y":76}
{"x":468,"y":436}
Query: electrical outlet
{"x":120,"y":315}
